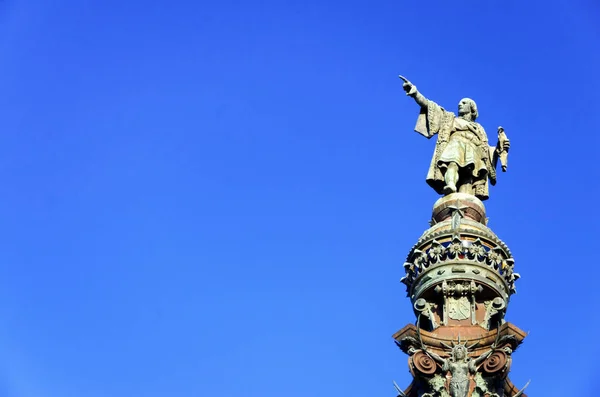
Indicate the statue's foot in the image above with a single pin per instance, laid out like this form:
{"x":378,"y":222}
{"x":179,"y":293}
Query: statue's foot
{"x":449,"y":189}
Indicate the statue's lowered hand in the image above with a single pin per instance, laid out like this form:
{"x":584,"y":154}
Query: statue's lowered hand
{"x":503,"y":147}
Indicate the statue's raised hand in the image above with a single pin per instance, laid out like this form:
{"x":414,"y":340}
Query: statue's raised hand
{"x":409,"y":87}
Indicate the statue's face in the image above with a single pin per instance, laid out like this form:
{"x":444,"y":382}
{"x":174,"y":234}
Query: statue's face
{"x":459,"y":354}
{"x":464,"y":107}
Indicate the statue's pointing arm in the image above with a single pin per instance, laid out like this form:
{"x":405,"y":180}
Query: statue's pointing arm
{"x":411,"y":90}
{"x":431,"y":115}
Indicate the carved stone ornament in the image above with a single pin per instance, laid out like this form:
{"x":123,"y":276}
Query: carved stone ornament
{"x":459,"y":308}
{"x":443,"y":366}
{"x":423,"y":363}
{"x":473,"y":246}
{"x":426,"y":309}
{"x":496,"y":362}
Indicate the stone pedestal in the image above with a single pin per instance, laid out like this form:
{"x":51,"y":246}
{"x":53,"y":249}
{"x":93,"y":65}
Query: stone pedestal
{"x":459,"y":278}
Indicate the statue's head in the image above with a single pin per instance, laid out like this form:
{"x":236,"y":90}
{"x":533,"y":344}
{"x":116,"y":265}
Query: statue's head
{"x":459,"y":352}
{"x":467,"y":106}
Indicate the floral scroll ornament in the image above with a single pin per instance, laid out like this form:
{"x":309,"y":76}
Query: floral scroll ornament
{"x":495,"y":257}
{"x":410,"y":276}
{"x":477,"y":250}
{"x":456,"y":248}
{"x":437,"y":251}
{"x":420,"y":260}
{"x":423,"y":363}
{"x":496,"y":362}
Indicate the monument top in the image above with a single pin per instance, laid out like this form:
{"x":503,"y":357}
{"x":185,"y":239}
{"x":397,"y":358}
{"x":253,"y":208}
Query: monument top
{"x":463,"y":161}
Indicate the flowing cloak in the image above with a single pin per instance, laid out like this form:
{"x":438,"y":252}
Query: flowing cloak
{"x":458,"y":141}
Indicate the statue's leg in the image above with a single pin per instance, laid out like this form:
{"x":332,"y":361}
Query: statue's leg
{"x":466,"y":185}
{"x":466,"y":188}
{"x":451,"y":178}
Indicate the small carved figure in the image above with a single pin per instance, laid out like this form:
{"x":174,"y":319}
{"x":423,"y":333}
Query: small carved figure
{"x":460,"y":366}
{"x":463,"y":161}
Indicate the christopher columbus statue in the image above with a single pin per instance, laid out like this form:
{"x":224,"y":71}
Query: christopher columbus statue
{"x":463,"y":161}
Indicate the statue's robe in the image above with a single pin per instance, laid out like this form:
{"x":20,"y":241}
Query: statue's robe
{"x":460,"y":141}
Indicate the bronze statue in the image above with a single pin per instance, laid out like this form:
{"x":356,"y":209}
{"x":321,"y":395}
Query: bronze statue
{"x":463,"y":161}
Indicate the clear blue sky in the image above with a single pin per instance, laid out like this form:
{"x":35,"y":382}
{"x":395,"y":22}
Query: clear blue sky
{"x":215,"y":199}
